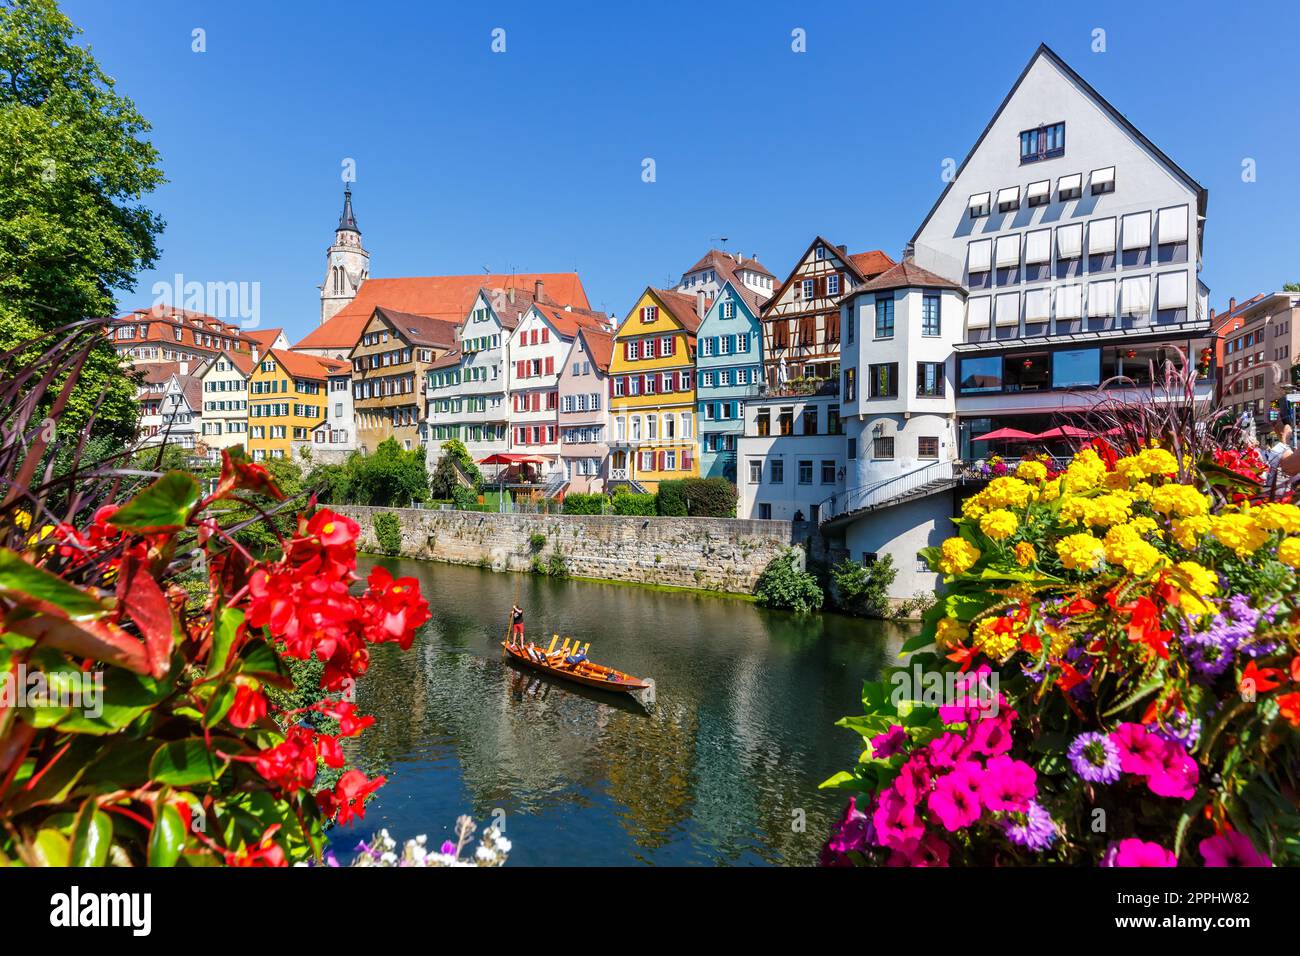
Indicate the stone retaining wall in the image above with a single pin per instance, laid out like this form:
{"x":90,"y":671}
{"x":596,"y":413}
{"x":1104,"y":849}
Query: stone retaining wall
{"x":716,"y":554}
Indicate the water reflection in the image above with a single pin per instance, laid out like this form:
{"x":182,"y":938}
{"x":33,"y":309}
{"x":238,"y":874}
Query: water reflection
{"x":742,"y":734}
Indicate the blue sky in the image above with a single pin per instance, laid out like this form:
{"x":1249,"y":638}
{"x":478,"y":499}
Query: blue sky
{"x":531,"y":159}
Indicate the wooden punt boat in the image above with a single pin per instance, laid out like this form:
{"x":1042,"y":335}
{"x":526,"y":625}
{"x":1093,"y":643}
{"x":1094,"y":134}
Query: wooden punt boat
{"x":585,"y":672}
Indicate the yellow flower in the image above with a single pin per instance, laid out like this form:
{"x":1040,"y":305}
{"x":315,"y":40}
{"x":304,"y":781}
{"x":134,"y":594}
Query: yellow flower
{"x":1007,"y":493}
{"x":1107,"y":510}
{"x":1188,"y":531}
{"x":1238,"y":532}
{"x":1080,"y":552}
{"x":950,"y":632}
{"x":1025,"y":554}
{"x":1181,"y":500}
{"x":1158,"y":461}
{"x":957,"y":555}
{"x":1125,"y":547}
{"x":1146,"y":527}
{"x":23,"y":519}
{"x":1288,"y":552}
{"x":1034,"y":471}
{"x":1277,"y":516}
{"x":1200,"y":579}
{"x":998,"y":645}
{"x":973,"y":506}
{"x":999,"y":525}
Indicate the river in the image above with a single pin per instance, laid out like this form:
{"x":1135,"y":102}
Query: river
{"x":724,"y":771}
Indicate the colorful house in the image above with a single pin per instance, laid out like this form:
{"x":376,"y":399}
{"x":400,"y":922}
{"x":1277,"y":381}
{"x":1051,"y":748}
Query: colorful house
{"x":584,"y":411}
{"x":728,"y":370}
{"x":225,"y":402}
{"x":287,"y":394}
{"x":653,"y":400}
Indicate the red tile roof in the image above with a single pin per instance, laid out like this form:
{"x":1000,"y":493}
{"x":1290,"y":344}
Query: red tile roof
{"x":301,"y":365}
{"x":444,"y":297}
{"x":264,"y":338}
{"x":568,"y":322}
{"x":600,"y":346}
{"x":419,"y":329}
{"x":871,"y":264}
{"x":726,"y":263}
{"x":904,"y":275}
{"x":682,"y":306}
{"x":161,"y":321}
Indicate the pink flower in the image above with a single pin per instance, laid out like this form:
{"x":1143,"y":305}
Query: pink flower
{"x":947,"y":750}
{"x":930,"y":850}
{"x":889,"y":743}
{"x":991,"y":736}
{"x":896,"y":821}
{"x":1008,"y":784}
{"x":1135,"y":852}
{"x":854,"y":832}
{"x":956,"y":796}
{"x":1140,"y":752}
{"x":1231,"y":849}
{"x":1178,"y":774}
{"x":913,"y":780}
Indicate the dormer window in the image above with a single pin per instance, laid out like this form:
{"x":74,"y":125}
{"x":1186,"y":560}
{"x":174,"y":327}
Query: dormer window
{"x":1103,"y":180}
{"x":1045,"y":142}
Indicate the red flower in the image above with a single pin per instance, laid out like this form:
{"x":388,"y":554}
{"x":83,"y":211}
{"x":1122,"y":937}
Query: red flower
{"x":346,"y":714}
{"x":249,"y":706}
{"x":266,"y":852}
{"x":292,"y":764}
{"x":1261,"y":679}
{"x":237,"y":473}
{"x":333,"y":529}
{"x":1290,"y":707}
{"x":348,"y":798}
{"x":395,"y":609}
{"x":1144,"y":626}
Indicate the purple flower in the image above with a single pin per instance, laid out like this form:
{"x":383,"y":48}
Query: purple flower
{"x":889,"y":743}
{"x":1033,"y":829}
{"x":447,"y":848}
{"x":1180,"y":728}
{"x":1094,"y":758}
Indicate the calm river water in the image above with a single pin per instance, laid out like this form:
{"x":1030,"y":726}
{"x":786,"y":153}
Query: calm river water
{"x":719,"y":773}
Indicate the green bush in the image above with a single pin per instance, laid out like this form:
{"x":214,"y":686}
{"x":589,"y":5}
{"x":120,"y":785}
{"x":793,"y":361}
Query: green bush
{"x":784,"y":586}
{"x":464,"y":498}
{"x":580,"y":504}
{"x":388,"y":532}
{"x":862,"y":589}
{"x":631,"y":503}
{"x":710,"y":497}
{"x":670,"y":500}
{"x":536,"y":541}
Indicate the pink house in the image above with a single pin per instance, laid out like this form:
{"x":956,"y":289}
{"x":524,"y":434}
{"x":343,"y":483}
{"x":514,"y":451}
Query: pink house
{"x":583,"y":414}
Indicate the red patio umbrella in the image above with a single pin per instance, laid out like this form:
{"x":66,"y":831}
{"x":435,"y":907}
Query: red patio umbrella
{"x":1006,"y":434}
{"x":1064,"y":431}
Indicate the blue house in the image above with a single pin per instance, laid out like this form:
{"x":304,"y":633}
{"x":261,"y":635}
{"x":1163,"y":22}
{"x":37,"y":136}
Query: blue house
{"x":728,"y":370}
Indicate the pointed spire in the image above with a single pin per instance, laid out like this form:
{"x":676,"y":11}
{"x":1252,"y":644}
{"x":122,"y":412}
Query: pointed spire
{"x":348,"y":221}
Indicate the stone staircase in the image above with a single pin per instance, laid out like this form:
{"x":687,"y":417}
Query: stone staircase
{"x":933,"y":479}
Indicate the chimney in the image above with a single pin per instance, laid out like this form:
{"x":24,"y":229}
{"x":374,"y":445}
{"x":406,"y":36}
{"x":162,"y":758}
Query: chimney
{"x":700,"y":307}
{"x":1232,"y":304}
{"x":843,"y":249}
{"x":1211,"y":313}
{"x":510,"y":293}
{"x":537,"y":290}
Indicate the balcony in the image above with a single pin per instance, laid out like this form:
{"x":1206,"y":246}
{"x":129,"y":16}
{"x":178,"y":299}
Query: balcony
{"x":801,"y":387}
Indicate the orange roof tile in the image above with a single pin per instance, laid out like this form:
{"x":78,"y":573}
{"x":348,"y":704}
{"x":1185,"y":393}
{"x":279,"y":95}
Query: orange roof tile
{"x":871,"y":264}
{"x":301,"y":365}
{"x":600,"y":346}
{"x":444,"y":297}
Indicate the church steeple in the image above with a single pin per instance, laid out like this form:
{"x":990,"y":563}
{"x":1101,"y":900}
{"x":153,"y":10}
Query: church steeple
{"x":349,"y":263}
{"x":348,"y":220}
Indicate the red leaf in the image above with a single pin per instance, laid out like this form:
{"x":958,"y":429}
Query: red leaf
{"x":143,"y":601}
{"x":98,"y":640}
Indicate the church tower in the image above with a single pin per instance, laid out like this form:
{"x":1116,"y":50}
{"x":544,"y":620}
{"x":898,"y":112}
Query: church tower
{"x":348,"y":263}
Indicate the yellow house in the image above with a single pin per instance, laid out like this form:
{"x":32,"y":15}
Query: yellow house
{"x":652,"y":402}
{"x":287,"y":398}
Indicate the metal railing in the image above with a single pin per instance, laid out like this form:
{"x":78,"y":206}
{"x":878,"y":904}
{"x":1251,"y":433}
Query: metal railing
{"x":887,"y":489}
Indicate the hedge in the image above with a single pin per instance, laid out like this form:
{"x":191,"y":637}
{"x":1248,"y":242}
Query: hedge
{"x":580,"y":504}
{"x":709,"y":497}
{"x":388,"y":532}
{"x":671,"y":498}
{"x":628,"y":503}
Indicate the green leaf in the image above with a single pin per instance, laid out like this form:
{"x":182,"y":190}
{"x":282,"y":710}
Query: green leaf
{"x":258,"y":659}
{"x":223,"y":636}
{"x":1146,"y":690}
{"x":51,"y":847}
{"x":28,"y":585}
{"x":219,"y":704}
{"x":184,"y":763}
{"x":125,"y":697}
{"x":92,"y":834}
{"x":163,"y":506}
{"x":168,"y":837}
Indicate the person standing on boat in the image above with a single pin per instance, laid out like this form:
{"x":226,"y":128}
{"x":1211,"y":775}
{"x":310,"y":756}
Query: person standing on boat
{"x":516,"y":624}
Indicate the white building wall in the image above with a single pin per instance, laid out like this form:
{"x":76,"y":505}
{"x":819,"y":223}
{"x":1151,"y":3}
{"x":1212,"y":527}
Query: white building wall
{"x":902,"y":531}
{"x":774,"y":456}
